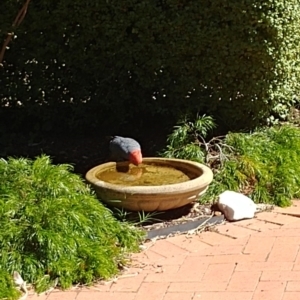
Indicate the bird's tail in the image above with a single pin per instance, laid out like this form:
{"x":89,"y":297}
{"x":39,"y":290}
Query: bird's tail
{"x":109,"y":137}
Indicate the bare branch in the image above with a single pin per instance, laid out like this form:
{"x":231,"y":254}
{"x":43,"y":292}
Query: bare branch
{"x":203,"y":142}
{"x":18,"y":20}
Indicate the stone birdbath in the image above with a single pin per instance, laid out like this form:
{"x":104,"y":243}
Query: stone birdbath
{"x":154,"y":197}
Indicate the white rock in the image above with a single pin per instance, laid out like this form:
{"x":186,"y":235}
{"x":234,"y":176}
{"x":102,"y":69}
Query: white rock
{"x":236,"y":206}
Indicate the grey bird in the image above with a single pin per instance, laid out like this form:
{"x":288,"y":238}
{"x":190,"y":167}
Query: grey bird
{"x":125,"y":149}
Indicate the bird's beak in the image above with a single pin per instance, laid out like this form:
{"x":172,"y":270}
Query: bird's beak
{"x":136,"y":157}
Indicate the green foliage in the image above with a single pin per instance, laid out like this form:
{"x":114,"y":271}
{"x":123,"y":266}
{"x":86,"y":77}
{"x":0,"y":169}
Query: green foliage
{"x":236,"y":60}
{"x":264,"y":164}
{"x":53,"y":227}
{"x":267,"y":164}
{"x":7,"y":287}
{"x":186,"y":138}
{"x":135,"y":218}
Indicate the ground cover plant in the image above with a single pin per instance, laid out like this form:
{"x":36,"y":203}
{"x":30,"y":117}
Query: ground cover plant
{"x":263,"y":164}
{"x":7,"y":287}
{"x":53,"y":229}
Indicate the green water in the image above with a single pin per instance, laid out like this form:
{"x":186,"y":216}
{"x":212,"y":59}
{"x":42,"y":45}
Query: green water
{"x":143,"y":175}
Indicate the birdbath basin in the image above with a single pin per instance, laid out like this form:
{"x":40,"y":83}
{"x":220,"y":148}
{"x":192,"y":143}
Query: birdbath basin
{"x":152,"y":197}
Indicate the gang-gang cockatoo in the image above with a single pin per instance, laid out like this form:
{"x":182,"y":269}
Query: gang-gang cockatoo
{"x":125,"y":149}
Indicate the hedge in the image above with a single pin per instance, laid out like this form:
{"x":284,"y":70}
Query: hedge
{"x":111,"y":60}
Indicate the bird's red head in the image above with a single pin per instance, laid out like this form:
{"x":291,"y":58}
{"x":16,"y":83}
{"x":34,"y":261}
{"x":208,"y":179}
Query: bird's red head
{"x":135,"y":157}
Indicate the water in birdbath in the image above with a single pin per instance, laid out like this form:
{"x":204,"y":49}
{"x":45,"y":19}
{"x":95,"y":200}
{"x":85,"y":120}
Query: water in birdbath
{"x":143,"y":175}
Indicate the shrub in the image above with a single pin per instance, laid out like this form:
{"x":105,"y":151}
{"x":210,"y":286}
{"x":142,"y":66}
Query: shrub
{"x":53,"y":227}
{"x":264,"y":164}
{"x":187,"y":138}
{"x":7,"y":287}
{"x":236,"y":60}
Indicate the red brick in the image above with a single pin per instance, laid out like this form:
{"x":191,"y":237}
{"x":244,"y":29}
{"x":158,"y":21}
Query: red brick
{"x":179,"y":296}
{"x":104,"y":296}
{"x":167,"y":249}
{"x":221,"y":272}
{"x":234,"y":231}
{"x":130,"y":284}
{"x":191,"y":244}
{"x":284,"y":231}
{"x":239,"y":258}
{"x":244,"y":281}
{"x":293,"y":286}
{"x":134,"y":267}
{"x":149,"y":269}
{"x":191,"y":261}
{"x":268,"y":295}
{"x":269,"y":290}
{"x":283,"y":253}
{"x":265,"y":286}
{"x":297,"y":262}
{"x":152,"y":290}
{"x":224,"y":259}
{"x":296,"y":267}
{"x":203,"y":285}
{"x":163,"y":274}
{"x":224,"y":249}
{"x":147,"y":257}
{"x":203,"y":258}
{"x":174,"y":260}
{"x":67,"y":295}
{"x":168,"y":252}
{"x":287,"y":240}
{"x":223,"y":296}
{"x":152,"y":258}
{"x":241,"y":241}
{"x":294,"y":225}
{"x":186,"y":273}
{"x":290,"y":296}
{"x":280,"y":276}
{"x":33,"y":296}
{"x":293,"y":209}
{"x":264,"y":266}
{"x":258,"y":244}
{"x":213,"y":238}
{"x":258,"y":225}
{"x":277,"y":218}
{"x":193,"y":275}
{"x":97,"y":288}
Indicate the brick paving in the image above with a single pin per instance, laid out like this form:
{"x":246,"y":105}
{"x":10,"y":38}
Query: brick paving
{"x":253,"y":259}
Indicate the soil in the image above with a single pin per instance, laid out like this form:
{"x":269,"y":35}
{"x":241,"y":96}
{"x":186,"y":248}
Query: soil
{"x":188,"y":213}
{"x":158,"y":220}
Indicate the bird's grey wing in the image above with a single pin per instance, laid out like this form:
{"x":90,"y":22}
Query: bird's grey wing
{"x":131,"y":145}
{"x":118,"y":149}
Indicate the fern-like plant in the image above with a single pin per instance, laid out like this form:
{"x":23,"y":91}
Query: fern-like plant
{"x":52,"y":227}
{"x":187,"y":137}
{"x":8,"y":290}
{"x":264,"y":164}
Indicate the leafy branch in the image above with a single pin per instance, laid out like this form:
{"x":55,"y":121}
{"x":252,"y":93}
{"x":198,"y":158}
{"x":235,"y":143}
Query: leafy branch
{"x":188,"y":141}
